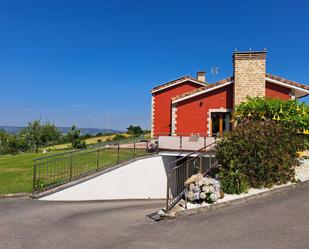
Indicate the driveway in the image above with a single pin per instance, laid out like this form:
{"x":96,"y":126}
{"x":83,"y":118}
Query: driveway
{"x":278,"y":221}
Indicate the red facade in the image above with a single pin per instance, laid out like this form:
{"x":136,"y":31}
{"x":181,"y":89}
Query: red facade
{"x":193,"y":113}
{"x":162,"y":106}
{"x":276,"y":91}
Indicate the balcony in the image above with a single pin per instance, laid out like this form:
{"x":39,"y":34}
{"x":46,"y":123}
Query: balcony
{"x":186,"y":142}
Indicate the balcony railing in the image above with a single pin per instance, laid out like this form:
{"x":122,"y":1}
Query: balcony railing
{"x":184,"y":142}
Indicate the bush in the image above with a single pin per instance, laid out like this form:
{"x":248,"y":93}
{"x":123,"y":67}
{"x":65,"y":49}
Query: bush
{"x":79,"y":144}
{"x":119,"y":137}
{"x":258,"y":154}
{"x":135,"y":130}
{"x":233,"y":181}
{"x":74,"y":137}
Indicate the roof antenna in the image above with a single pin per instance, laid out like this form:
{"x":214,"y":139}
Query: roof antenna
{"x":214,"y":72}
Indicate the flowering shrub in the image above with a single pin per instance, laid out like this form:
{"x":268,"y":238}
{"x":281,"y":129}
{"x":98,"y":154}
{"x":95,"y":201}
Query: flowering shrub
{"x":289,"y":112}
{"x":202,"y":189}
{"x":257,"y":154}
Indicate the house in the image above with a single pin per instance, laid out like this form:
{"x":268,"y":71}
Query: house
{"x":190,"y":107}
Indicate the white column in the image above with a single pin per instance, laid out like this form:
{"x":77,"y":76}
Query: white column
{"x":174,"y":116}
{"x":152,"y":116}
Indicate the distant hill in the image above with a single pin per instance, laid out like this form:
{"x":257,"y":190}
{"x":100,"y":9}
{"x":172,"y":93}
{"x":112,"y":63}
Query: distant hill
{"x":64,"y":130}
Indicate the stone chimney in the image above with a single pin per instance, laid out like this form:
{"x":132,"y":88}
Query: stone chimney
{"x":249,"y":75}
{"x":201,"y":76}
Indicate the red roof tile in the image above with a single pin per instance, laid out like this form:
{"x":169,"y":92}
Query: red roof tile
{"x":286,"y":81}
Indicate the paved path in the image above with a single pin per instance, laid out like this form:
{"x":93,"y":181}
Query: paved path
{"x":279,"y":221}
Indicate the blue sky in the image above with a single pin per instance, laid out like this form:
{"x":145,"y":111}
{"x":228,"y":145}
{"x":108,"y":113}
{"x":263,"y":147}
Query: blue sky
{"x":87,"y":62}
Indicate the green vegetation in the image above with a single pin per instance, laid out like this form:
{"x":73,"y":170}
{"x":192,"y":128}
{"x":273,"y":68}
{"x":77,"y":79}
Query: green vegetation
{"x":38,"y":135}
{"x":74,"y":138}
{"x":257,"y":154}
{"x":46,"y":136}
{"x":16,"y":172}
{"x":135,"y":130}
{"x":17,"y":153}
{"x":288,"y":112}
{"x":12,"y":144}
{"x":263,"y":148}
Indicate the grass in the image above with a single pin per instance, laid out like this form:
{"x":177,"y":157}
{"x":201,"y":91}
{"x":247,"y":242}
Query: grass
{"x":89,"y":141}
{"x":16,"y":171}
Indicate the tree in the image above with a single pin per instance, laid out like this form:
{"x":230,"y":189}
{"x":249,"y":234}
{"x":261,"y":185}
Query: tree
{"x":4,"y":138}
{"x":16,"y":144}
{"x":99,"y":134}
{"x":12,"y":144}
{"x":37,"y":134}
{"x":135,"y":130}
{"x":74,"y":138}
{"x":87,"y":135}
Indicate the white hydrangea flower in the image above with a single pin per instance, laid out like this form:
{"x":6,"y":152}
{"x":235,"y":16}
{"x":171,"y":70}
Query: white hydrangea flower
{"x":211,"y":189}
{"x":213,"y":197}
{"x":196,"y":196}
{"x":203,"y":188}
{"x":196,"y":189}
{"x":206,"y":189}
{"x":203,"y":195}
{"x":202,"y":182}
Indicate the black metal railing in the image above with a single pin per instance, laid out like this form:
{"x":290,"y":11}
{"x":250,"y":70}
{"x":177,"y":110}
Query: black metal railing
{"x":200,"y":161}
{"x":54,"y":170}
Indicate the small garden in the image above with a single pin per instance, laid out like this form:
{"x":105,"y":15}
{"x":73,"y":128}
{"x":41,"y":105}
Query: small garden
{"x":263,"y":151}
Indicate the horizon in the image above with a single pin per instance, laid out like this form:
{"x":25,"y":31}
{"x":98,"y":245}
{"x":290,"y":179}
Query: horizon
{"x":93,"y":65}
{"x":98,"y":128}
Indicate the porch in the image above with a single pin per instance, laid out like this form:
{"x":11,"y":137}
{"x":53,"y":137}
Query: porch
{"x":184,"y":142}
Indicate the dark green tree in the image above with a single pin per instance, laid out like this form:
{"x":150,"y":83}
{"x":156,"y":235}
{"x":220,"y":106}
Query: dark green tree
{"x":135,"y":130}
{"x":74,"y":138}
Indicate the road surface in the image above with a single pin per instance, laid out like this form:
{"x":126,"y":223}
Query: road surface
{"x":279,"y":221}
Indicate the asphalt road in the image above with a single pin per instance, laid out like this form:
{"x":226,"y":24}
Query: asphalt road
{"x":278,"y":221}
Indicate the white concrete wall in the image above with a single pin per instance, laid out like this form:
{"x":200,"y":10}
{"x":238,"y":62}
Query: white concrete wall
{"x":142,"y":179}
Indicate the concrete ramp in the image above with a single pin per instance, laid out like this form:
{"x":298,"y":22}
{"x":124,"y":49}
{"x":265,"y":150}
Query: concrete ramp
{"x":142,"y":179}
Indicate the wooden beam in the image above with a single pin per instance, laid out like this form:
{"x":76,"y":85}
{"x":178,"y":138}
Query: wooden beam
{"x":221,"y":125}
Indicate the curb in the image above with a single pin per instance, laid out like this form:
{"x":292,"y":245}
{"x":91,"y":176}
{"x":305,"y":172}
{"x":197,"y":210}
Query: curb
{"x":15,"y":195}
{"x":194,"y":211}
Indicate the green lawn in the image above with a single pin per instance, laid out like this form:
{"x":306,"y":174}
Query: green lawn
{"x":16,"y":172}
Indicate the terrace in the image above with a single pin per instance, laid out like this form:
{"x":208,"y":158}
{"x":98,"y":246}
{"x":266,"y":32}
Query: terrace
{"x":184,"y":141}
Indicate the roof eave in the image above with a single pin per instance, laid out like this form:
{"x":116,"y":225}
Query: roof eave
{"x":179,"y":81}
{"x":202,"y":92}
{"x":300,"y":89}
